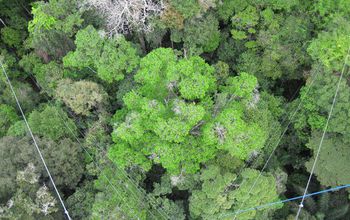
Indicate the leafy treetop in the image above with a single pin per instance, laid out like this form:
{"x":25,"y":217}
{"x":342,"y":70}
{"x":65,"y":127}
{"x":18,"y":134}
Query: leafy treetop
{"x":113,"y":58}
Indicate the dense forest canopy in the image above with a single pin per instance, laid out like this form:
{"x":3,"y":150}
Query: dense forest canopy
{"x":174,"y":109}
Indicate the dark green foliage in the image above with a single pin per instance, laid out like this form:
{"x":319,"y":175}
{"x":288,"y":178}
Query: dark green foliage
{"x":244,"y":23}
{"x":14,"y":23}
{"x":26,"y":95}
{"x":63,"y":158}
{"x":52,"y":25}
{"x":188,"y":8}
{"x":330,"y":170}
{"x":199,"y":35}
{"x":29,"y":62}
{"x":318,"y":101}
{"x":8,"y":61}
{"x":11,"y":37}
{"x":326,"y":206}
{"x":31,"y":201}
{"x":8,"y":116}
{"x":80,"y":203}
{"x":221,"y":192}
{"x":61,"y":15}
{"x":16,"y":153}
{"x":226,"y":8}
{"x":122,"y":200}
{"x":279,"y":49}
{"x":48,"y":76}
{"x":97,"y":136}
{"x":51,"y":123}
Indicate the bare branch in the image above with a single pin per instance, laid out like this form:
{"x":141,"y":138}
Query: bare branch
{"x":123,"y":16}
{"x":3,"y":22}
{"x":220,"y":132}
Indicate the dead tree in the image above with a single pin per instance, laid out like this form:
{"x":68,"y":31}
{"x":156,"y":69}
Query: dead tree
{"x":123,"y":16}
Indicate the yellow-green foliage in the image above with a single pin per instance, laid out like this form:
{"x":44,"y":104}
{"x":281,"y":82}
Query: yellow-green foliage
{"x":82,"y":97}
{"x":172,"y":120}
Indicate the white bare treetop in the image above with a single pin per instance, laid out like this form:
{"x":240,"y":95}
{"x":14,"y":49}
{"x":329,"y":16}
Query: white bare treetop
{"x":122,"y":16}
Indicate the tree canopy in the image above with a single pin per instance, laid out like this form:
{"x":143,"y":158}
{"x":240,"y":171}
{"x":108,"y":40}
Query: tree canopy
{"x":112,"y":58}
{"x":174,"y":109}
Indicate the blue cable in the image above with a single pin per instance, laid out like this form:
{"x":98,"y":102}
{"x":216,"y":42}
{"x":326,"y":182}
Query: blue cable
{"x":288,"y":200}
